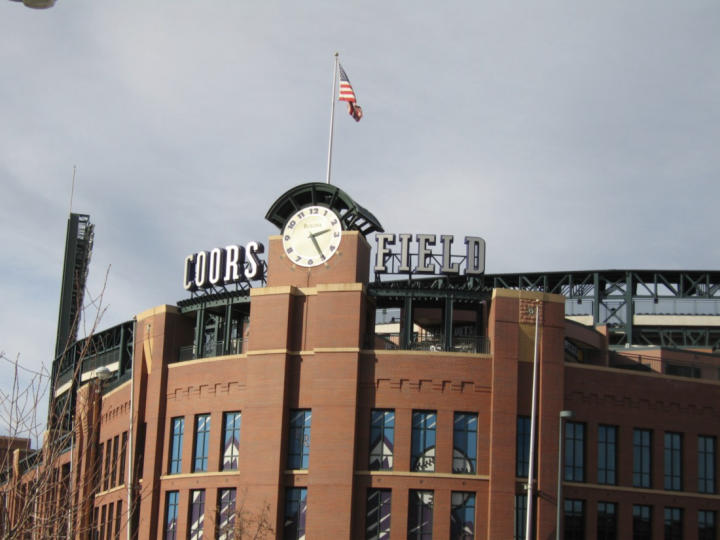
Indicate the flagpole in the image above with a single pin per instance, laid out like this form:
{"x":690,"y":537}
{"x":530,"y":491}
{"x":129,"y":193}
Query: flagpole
{"x":533,"y":428}
{"x":332,"y":117}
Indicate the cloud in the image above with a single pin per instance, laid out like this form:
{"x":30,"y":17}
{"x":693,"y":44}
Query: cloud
{"x":569,"y":136}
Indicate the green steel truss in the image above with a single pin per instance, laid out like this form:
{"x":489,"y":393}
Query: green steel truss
{"x":353,"y":216}
{"x":603,"y":297}
{"x":106,"y":348}
{"x":615,"y":297}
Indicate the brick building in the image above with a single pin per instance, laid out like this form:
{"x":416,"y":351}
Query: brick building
{"x":344,"y":397}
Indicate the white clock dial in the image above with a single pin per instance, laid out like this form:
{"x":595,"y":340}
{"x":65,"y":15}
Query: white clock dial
{"x":312,"y":236}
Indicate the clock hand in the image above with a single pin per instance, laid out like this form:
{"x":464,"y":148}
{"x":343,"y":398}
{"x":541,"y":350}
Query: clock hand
{"x":314,"y":235}
{"x":315,"y":242}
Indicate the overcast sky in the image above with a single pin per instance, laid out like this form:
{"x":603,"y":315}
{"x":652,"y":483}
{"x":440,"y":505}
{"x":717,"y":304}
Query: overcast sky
{"x":570,"y":135}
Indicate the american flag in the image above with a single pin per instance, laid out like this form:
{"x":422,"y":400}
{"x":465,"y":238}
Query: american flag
{"x":347,"y":94}
{"x":346,"y":91}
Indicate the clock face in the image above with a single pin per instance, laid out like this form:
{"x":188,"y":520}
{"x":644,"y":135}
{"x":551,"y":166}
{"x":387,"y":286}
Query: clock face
{"x":312,"y":235}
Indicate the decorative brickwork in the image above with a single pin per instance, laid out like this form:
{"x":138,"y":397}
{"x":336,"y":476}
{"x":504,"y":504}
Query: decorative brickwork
{"x":527,"y":311}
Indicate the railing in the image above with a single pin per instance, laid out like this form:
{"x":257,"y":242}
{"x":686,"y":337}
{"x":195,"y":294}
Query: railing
{"x":694,"y":370}
{"x":105,"y":358}
{"x":427,"y":342}
{"x":216,"y":348}
{"x":113,"y":383}
{"x":65,"y":377}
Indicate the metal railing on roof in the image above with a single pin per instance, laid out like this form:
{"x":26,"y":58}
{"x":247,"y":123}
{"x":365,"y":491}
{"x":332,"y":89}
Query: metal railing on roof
{"x":433,"y":343}
{"x":212,"y":349}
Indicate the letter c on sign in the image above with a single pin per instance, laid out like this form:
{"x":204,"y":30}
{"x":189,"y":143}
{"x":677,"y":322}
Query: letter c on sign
{"x":189,"y":275}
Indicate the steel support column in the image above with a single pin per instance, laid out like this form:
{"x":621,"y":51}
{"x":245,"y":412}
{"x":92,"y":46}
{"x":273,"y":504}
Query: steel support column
{"x":447,"y":323}
{"x":629,"y":305}
{"x":227,"y":330}
{"x":121,"y":369}
{"x":596,"y":300}
{"x":200,"y":332}
{"x":407,"y":327}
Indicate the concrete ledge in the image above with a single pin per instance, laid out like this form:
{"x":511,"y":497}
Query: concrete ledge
{"x":165,"y":308}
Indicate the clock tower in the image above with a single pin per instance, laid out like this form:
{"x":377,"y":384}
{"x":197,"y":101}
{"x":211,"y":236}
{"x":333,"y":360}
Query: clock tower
{"x":303,"y":359}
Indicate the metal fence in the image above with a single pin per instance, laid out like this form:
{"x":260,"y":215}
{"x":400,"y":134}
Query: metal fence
{"x":434,"y":342}
{"x":212,"y":349}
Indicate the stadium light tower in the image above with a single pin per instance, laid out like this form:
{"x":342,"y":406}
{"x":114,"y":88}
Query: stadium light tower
{"x":37,"y":4}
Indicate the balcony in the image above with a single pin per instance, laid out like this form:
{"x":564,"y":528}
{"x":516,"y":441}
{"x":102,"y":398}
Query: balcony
{"x":212,"y":349}
{"x":433,"y":342}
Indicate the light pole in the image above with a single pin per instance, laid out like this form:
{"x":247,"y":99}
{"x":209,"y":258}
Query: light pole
{"x":564,"y":415}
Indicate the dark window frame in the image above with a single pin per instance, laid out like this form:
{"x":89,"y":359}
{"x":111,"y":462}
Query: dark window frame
{"x":607,"y":520}
{"x":378,"y":514}
{"x":177,"y":432}
{"x":642,"y":522}
{"x":673,"y":523}
{"x":672,"y":461}
{"x":574,"y":469}
{"x":423,"y":441}
{"x":232,"y":423}
{"x":707,"y":455}
{"x":295,"y":513}
{"x":420,"y":514}
{"x":382,"y":440}
{"x":465,"y":438}
{"x":172,"y":499}
{"x":201,"y":443}
{"x":607,"y":454}
{"x":462,"y":515}
{"x":298,"y":456}
{"x":522,"y":446}
{"x":574,"y":519}
{"x":642,"y":457}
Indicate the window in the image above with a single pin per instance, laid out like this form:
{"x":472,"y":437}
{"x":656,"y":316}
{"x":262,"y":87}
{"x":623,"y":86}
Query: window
{"x":100,"y":455}
{"x":706,"y":525}
{"x":606,"y":521}
{"x":520,"y":516}
{"x":673,"y":524}
{"x":574,"y":519}
{"x":295,"y":511}
{"x":607,"y":454}
{"x":196,"y":519}
{"x":382,"y":439}
{"x":465,"y":443}
{"x":420,"y":515}
{"x":140,"y":445}
{"x":574,"y":452}
{"x":642,"y":457}
{"x":123,"y":457}
{"x":299,"y":451}
{"x":113,"y":466}
{"x":673,"y":461}
{"x":202,"y":442}
{"x":522,"y":456}
{"x":171,"y":511}
{"x":377,"y":514}
{"x":462,"y":515}
{"x":118,"y":519}
{"x":706,"y":464}
{"x":177,"y":426}
{"x":642,"y":522}
{"x":226,"y":513}
{"x":423,"y":441}
{"x":106,"y":474}
{"x":103,"y":523}
{"x":231,"y":440}
{"x":110,"y":518}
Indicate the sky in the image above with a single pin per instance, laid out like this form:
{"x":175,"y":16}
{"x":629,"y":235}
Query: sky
{"x":569,"y":135}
